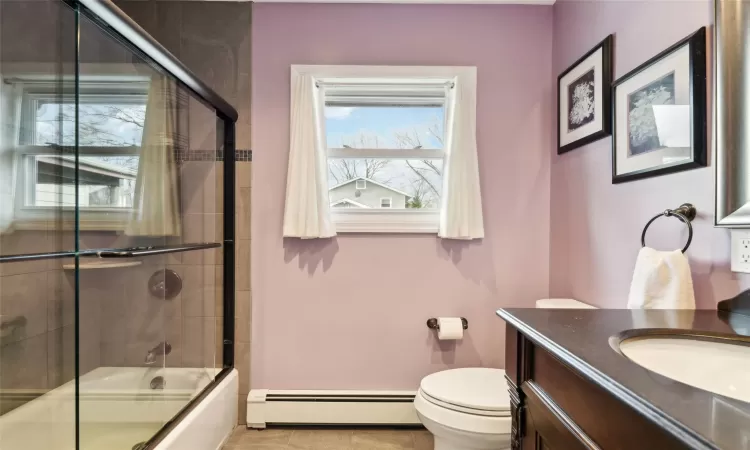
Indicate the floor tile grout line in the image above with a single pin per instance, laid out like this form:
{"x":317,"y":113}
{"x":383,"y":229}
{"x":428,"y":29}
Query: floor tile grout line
{"x":243,"y":439}
{"x":289,"y":439}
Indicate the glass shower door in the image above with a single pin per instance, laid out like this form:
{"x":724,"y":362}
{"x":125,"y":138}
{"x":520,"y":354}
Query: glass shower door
{"x":119,"y":329}
{"x":37,"y":226}
{"x":112,"y":249}
{"x":149,"y":180}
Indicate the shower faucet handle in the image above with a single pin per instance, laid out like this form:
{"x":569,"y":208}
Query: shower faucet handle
{"x":161,"y":349}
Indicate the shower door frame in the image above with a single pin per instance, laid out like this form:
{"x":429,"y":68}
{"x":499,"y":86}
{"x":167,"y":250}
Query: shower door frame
{"x":123,"y":29}
{"x":107,"y":15}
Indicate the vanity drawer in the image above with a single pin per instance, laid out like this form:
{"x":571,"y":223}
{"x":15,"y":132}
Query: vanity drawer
{"x":605,"y":419}
{"x":561,"y":409}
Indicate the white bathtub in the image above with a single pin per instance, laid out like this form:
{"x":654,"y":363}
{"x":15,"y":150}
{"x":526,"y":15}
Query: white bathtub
{"x":127,"y":380}
{"x":118,"y":409}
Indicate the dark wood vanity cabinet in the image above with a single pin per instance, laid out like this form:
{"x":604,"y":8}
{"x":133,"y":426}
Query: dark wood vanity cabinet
{"x":554,"y":407}
{"x":545,"y":429}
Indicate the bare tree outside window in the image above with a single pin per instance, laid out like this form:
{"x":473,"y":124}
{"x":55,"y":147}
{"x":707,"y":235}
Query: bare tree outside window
{"x":342,"y":170}
{"x":422,"y":179}
{"x":100,"y":126}
{"x":427,"y":172}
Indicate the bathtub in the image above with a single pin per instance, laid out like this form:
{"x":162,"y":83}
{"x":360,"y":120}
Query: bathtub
{"x":118,"y":409}
{"x":130,"y":380}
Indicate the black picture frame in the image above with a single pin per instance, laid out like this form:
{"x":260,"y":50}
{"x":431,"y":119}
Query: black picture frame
{"x":607,"y":47}
{"x":697,"y":67}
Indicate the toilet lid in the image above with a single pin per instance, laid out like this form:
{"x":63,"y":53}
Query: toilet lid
{"x":479,"y":389}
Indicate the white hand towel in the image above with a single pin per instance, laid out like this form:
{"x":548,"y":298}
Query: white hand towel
{"x":661,"y":280}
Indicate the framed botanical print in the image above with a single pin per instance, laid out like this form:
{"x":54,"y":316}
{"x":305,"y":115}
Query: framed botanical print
{"x":659,"y":113}
{"x":584,"y":99}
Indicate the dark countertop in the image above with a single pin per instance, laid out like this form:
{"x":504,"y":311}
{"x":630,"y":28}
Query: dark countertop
{"x":581,"y":339}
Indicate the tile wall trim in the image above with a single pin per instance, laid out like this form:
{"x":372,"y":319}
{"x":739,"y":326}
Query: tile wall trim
{"x":211,"y":155}
{"x":243,"y":155}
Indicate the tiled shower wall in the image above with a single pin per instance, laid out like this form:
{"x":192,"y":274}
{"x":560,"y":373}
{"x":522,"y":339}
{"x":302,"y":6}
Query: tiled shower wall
{"x":132,"y":320}
{"x":39,"y":355}
{"x":213,"y":40}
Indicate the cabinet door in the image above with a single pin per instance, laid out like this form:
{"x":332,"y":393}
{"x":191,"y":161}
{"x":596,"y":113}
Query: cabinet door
{"x":547,"y":427}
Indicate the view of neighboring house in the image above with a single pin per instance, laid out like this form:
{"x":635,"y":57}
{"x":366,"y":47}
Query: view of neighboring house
{"x":366,"y":193}
{"x":100,"y":184}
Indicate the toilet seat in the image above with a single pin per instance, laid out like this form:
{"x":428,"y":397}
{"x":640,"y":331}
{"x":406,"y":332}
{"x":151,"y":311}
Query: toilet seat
{"x":478,"y":391}
{"x":455,"y":420}
{"x":471,"y":400}
{"x":463,"y":409}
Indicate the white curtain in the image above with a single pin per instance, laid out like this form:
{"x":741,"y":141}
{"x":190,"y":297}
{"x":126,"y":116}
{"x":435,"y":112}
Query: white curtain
{"x":307,"y":211}
{"x":156,"y":204}
{"x":461,"y":212}
{"x":10,"y":130}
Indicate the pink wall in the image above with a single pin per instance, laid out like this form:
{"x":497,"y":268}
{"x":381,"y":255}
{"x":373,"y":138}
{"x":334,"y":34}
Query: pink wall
{"x":349,"y":313}
{"x":596,"y":226}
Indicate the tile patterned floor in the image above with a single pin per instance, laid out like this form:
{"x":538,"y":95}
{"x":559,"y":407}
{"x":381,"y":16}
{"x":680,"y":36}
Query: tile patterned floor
{"x":329,"y":439}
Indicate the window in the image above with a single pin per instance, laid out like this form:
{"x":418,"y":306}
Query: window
{"x":384,"y":141}
{"x":103,"y":181}
{"x":383,"y":128}
{"x":111,"y":116}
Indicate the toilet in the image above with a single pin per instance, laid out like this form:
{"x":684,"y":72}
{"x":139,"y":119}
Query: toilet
{"x":469,"y":408}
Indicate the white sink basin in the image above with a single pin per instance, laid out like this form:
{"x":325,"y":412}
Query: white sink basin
{"x":722,"y":367}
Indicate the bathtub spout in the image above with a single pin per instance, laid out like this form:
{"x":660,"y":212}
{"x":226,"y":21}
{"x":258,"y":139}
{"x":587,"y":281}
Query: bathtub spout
{"x":161,"y":349}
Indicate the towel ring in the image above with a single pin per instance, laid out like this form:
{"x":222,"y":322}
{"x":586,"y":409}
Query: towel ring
{"x":686,"y":213}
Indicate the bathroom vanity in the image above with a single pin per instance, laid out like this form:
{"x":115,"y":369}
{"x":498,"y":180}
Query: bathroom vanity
{"x":573,"y":387}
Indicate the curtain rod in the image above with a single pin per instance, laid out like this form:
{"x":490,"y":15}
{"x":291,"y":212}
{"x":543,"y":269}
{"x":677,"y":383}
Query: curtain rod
{"x":318,"y":84}
{"x":71,"y":78}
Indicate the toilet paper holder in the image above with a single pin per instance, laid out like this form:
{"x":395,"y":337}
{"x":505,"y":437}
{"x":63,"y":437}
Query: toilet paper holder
{"x":432,"y":323}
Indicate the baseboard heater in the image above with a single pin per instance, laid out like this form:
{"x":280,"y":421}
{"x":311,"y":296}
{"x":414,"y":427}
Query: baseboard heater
{"x":269,"y":407}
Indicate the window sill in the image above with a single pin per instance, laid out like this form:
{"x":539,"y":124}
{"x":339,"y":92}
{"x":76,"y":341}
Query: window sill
{"x":381,"y":221}
{"x":68,"y":225}
{"x":41,"y":219}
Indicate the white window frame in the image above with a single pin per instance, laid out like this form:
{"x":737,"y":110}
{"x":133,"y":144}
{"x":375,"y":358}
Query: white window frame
{"x":33,"y":217}
{"x":384,"y":220}
{"x":364,"y":185}
{"x":390,"y":202}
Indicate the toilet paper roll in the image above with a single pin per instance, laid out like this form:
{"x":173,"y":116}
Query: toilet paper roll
{"x":450,"y":328}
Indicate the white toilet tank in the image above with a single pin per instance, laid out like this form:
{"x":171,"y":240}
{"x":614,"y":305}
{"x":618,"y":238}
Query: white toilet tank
{"x":562,"y":303}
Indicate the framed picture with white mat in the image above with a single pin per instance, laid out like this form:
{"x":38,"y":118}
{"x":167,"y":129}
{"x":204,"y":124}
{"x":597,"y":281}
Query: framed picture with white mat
{"x":584,"y":99}
{"x":659,"y":113}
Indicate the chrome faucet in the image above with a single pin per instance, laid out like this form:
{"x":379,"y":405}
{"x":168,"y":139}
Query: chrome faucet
{"x":161,"y":349}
